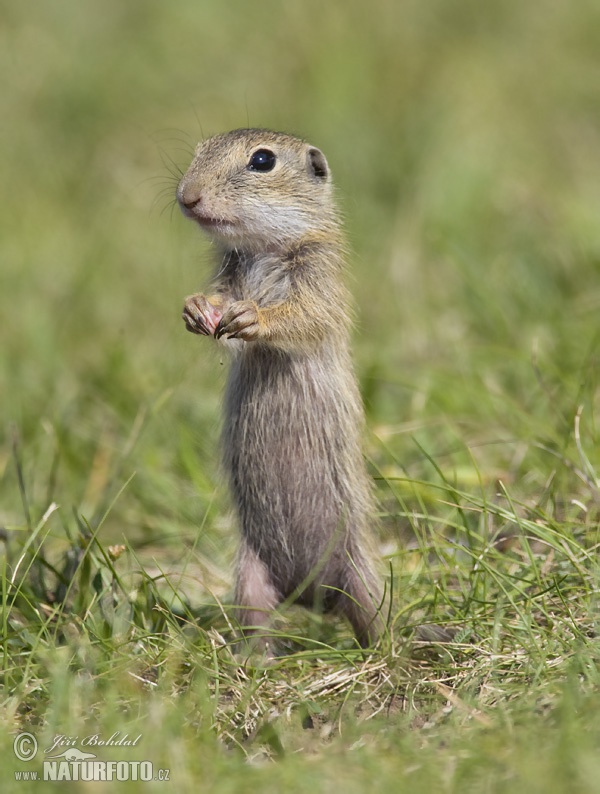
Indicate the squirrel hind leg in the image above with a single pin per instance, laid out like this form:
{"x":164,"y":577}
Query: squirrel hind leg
{"x":360,"y":602}
{"x":255,"y":595}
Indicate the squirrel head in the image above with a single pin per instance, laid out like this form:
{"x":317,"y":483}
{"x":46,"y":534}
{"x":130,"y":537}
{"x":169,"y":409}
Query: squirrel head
{"x":256,"y":189}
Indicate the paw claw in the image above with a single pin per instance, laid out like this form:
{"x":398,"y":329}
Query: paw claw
{"x":240,"y":321}
{"x":200,"y":315}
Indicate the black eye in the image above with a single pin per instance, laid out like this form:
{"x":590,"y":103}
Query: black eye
{"x":262,"y":160}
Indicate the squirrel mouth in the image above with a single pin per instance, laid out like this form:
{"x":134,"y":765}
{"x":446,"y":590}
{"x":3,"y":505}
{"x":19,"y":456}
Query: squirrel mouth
{"x":194,"y":213}
{"x":208,"y":222}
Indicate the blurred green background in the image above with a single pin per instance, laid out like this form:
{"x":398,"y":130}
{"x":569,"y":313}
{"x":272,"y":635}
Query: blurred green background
{"x":464,"y":139}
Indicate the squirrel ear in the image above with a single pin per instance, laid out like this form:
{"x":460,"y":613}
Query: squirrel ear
{"x":317,"y":164}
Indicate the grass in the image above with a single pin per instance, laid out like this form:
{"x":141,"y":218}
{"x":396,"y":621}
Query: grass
{"x":464,"y":144}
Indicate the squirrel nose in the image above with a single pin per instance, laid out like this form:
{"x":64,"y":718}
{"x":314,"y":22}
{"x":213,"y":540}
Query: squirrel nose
{"x":189,"y":205}
{"x":188,"y":198}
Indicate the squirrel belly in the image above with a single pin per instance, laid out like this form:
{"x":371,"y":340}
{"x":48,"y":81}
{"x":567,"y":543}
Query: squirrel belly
{"x":292,"y":451}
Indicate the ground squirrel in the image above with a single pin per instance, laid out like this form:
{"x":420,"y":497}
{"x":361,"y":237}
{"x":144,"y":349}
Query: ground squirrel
{"x":293,"y":414}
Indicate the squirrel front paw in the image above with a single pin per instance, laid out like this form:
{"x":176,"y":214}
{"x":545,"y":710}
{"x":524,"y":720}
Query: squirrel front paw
{"x":200,"y":315}
{"x":240,"y":321}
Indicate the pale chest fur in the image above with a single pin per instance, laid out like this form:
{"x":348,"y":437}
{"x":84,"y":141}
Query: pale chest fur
{"x":262,"y":278}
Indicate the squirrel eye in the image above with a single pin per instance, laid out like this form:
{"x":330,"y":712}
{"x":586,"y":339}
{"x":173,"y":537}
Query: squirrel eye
{"x":262,"y":160}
